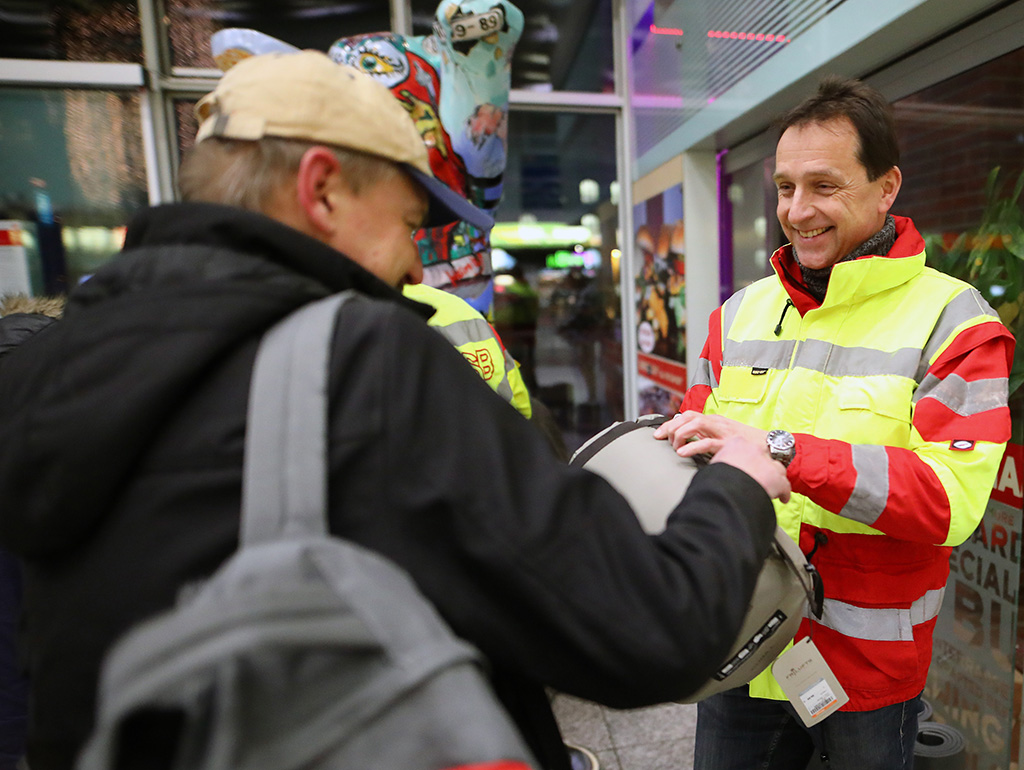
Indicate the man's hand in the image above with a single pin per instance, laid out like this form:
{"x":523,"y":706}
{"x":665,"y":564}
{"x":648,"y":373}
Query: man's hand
{"x":756,"y":463}
{"x":732,"y":442}
{"x":694,"y":433}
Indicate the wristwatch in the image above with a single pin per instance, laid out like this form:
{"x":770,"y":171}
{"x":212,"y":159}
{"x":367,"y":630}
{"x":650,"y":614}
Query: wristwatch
{"x":781,"y":446}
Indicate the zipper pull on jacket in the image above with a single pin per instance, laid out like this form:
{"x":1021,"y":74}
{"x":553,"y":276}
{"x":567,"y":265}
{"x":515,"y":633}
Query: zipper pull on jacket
{"x":778,"y":326}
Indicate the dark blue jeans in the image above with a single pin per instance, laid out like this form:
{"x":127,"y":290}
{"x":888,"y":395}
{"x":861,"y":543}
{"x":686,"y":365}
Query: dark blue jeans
{"x":737,"y":732}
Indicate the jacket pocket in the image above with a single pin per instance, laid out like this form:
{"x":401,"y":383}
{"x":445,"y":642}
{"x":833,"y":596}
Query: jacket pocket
{"x":739,"y":385}
{"x":885,"y":398}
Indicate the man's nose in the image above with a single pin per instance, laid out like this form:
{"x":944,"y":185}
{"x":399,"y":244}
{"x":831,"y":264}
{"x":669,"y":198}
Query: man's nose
{"x":800,"y":206}
{"x":415,"y":274}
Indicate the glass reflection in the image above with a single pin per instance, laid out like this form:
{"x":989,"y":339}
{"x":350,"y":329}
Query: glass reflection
{"x":556,"y":300}
{"x":72,"y":31}
{"x":565,"y":46}
{"x":302,"y":23}
{"x":69,"y":192}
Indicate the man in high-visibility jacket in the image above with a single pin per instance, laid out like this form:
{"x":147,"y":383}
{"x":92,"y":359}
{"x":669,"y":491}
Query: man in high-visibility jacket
{"x":882,"y":384}
{"x":472,"y":335}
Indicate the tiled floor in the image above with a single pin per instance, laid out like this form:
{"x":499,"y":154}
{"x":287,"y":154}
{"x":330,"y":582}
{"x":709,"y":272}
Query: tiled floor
{"x":655,"y":738}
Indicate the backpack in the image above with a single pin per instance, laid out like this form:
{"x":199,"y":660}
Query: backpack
{"x":303,"y":650}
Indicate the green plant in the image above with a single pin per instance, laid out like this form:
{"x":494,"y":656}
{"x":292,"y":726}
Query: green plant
{"x":991,"y":258}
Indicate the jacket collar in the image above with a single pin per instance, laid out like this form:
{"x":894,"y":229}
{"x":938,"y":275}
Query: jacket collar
{"x":859,"y":278}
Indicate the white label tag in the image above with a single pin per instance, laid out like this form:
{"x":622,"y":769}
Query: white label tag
{"x":478,"y":25}
{"x":808,"y":682}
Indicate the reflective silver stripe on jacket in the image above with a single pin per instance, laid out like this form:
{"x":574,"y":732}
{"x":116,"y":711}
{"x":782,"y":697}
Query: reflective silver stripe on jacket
{"x":467,"y":331}
{"x":704,"y":375}
{"x":729,"y":311}
{"x":876,"y":624}
{"x":837,"y":361}
{"x":767,"y":353}
{"x":964,"y":398}
{"x":871,"y":490}
{"x":963,"y":307}
{"x":504,"y":388}
{"x":820,"y":356}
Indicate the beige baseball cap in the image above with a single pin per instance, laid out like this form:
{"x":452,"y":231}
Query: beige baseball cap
{"x":305,"y":95}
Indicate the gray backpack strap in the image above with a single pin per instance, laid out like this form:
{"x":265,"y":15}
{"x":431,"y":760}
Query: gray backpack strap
{"x":284,"y":491}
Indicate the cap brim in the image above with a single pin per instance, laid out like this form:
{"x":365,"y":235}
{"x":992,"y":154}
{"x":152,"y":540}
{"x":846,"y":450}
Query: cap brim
{"x":446,"y":205}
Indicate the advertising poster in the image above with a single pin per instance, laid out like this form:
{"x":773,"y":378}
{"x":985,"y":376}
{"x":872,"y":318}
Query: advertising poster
{"x":661,"y":304}
{"x":974,"y":681}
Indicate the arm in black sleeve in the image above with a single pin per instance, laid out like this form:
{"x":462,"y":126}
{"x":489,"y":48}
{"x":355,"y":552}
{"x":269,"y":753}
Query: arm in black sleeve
{"x":542,"y":566}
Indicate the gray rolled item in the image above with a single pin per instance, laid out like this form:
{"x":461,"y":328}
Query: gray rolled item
{"x":939,"y":747}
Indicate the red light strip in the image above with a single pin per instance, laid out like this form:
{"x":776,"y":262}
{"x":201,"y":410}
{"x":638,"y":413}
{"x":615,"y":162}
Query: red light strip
{"x":755,"y":36}
{"x":656,"y":30}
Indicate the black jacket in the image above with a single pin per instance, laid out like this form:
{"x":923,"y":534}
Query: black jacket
{"x":120,"y":471}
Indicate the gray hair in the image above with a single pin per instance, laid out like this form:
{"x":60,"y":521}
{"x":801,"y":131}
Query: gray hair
{"x":245,"y":174}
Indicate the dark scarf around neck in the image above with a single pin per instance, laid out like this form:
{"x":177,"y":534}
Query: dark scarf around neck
{"x":879,"y":243}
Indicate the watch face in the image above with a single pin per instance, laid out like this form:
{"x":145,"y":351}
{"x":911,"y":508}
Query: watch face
{"x":781,"y":446}
{"x":781,"y":440}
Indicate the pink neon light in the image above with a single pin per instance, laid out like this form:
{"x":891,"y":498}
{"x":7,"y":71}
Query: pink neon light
{"x":754,"y":36}
{"x":666,"y":31}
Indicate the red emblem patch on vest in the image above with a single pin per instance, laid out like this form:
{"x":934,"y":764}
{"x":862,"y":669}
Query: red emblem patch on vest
{"x":481,"y":361}
{"x":961,"y":444}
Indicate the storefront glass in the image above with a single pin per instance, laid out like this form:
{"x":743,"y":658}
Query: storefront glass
{"x":67,"y":194}
{"x":69,"y":30}
{"x":312,"y":24}
{"x":556,"y":232}
{"x":565,"y":46}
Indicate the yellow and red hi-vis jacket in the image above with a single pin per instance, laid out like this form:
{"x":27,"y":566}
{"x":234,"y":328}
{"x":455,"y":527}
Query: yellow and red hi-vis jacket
{"x":895,"y":387}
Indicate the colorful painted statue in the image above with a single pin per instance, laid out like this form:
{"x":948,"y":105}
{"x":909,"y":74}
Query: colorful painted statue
{"x":455,"y":84}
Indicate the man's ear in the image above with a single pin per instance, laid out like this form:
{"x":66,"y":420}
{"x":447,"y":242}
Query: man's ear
{"x":317,"y":188}
{"x":891,"y":181}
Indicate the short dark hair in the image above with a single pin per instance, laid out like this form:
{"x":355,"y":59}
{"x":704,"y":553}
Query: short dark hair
{"x":869,"y":112}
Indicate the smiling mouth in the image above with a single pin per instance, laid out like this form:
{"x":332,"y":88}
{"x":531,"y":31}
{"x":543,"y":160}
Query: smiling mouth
{"x":811,"y":233}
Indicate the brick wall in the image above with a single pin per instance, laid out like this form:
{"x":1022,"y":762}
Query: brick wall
{"x":952,"y":135}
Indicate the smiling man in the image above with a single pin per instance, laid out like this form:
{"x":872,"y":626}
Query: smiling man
{"x":882,"y":384}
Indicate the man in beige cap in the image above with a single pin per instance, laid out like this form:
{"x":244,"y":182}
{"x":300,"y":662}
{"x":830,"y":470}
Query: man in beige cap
{"x":123,"y":427}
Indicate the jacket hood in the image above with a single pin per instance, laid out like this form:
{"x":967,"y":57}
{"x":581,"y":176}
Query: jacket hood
{"x":80,"y":404}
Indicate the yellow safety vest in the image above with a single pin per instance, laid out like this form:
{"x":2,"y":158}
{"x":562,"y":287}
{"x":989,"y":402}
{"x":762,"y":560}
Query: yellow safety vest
{"x":479,"y":344}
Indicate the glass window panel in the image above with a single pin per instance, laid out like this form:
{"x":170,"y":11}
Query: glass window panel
{"x":564,"y":46}
{"x":70,"y":30}
{"x":72,"y":193}
{"x":957,"y":138}
{"x":756,"y":232}
{"x":558,"y":224}
{"x":312,"y":24}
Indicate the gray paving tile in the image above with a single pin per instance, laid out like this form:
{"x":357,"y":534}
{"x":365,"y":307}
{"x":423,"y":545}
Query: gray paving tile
{"x":581,"y":722}
{"x":655,"y":724}
{"x":661,"y":755}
